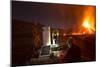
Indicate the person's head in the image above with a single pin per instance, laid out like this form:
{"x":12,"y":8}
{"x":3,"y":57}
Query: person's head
{"x":70,"y":41}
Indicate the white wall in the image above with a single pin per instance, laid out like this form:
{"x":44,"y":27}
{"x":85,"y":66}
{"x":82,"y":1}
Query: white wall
{"x":46,"y":36}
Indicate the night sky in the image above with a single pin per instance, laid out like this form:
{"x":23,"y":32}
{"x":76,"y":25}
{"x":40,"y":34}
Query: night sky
{"x":55,"y":15}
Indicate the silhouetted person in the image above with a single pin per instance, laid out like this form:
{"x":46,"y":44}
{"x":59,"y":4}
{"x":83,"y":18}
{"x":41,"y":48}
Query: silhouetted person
{"x":74,"y":53}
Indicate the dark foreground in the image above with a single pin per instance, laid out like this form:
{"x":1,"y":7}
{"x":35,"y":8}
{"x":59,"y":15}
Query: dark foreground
{"x":27,"y":43}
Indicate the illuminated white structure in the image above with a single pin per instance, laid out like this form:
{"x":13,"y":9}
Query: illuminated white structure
{"x":46,"y":36}
{"x":54,"y":44}
{"x":47,"y":45}
{"x":55,"y":34}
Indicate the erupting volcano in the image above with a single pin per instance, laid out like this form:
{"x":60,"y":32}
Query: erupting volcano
{"x":88,"y":22}
{"x":89,"y":28}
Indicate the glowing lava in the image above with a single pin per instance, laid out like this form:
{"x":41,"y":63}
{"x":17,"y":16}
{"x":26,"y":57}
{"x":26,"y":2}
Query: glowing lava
{"x":89,"y":20}
{"x":86,"y":24}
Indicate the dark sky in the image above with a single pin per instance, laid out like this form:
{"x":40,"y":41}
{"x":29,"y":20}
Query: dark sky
{"x":55,"y":15}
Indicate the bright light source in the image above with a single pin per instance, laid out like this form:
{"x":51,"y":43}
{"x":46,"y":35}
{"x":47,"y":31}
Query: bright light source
{"x":86,"y":24}
{"x":89,"y":26}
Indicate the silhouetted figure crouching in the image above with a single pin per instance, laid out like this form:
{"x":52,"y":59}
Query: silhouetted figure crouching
{"x":74,"y":53}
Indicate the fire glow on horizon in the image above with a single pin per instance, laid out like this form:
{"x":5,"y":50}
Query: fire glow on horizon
{"x":88,"y":24}
{"x":89,"y":20}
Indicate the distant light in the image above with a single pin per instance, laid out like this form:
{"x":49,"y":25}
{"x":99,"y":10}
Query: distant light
{"x":64,"y":34}
{"x":86,"y":24}
{"x":89,"y":26}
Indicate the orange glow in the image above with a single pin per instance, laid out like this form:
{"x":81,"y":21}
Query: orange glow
{"x":86,"y":24}
{"x":64,"y":34}
{"x":89,"y":20}
{"x":89,"y":26}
